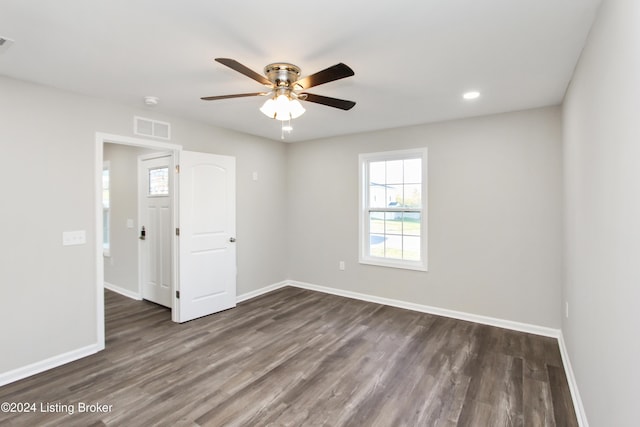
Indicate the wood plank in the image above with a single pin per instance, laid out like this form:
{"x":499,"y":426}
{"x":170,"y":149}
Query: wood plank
{"x":563,"y":410}
{"x":538,"y":408}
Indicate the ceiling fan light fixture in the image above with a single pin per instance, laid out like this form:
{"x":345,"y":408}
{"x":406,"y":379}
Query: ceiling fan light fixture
{"x":282,"y":108}
{"x":284,"y":80}
{"x":269,"y":108}
{"x":296,"y":109}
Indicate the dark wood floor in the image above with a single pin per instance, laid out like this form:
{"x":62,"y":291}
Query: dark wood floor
{"x":294,"y":357}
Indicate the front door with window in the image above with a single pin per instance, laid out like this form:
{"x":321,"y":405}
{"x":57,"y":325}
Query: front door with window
{"x":155,"y":195}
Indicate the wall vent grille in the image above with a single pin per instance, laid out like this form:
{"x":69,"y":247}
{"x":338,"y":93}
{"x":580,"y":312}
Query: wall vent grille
{"x":153,"y":128}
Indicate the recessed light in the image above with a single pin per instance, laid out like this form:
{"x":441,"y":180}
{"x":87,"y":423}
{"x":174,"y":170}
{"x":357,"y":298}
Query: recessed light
{"x":471,"y":95}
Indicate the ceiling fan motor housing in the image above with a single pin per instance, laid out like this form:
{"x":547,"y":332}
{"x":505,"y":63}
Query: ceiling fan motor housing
{"x":282,"y":74}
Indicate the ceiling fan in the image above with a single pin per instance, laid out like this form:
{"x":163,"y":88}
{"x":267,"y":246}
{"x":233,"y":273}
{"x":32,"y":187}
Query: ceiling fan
{"x":286,"y":88}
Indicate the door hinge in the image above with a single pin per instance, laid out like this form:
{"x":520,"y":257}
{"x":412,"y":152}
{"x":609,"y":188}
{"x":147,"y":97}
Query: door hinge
{"x":177,"y":231}
{"x":178,"y":294}
{"x":177,"y":168}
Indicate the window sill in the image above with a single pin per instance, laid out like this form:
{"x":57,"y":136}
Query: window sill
{"x":404,"y":265}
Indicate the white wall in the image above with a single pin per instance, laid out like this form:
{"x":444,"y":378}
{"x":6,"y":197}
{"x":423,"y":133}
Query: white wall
{"x":47,"y":139}
{"x":602,"y":183}
{"x":495,"y":238}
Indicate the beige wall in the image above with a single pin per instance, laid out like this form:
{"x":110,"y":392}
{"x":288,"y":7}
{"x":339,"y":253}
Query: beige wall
{"x":48,"y":139}
{"x":494,"y":217}
{"x":602,"y":183}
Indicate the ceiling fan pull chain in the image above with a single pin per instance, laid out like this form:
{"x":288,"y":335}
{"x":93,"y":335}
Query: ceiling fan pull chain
{"x":287,"y":128}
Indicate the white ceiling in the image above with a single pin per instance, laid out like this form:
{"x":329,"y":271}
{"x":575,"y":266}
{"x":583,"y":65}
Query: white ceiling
{"x":412,"y":59}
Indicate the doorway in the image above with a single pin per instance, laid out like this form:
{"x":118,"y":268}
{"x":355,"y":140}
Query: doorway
{"x":131,"y":222}
{"x":202,"y":249}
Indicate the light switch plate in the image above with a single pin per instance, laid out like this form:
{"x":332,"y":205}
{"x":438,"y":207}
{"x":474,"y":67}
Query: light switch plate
{"x":77,"y":237}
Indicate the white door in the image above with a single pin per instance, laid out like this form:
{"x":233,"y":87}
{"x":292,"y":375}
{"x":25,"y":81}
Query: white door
{"x":155,"y":193}
{"x":207,"y":253}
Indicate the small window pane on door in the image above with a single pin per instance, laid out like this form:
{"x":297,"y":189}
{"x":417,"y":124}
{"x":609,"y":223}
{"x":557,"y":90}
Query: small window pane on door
{"x":159,"y":181}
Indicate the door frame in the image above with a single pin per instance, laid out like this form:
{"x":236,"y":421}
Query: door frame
{"x":101,"y":139}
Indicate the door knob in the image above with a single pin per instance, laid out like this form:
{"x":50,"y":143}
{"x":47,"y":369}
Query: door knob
{"x":232,"y":239}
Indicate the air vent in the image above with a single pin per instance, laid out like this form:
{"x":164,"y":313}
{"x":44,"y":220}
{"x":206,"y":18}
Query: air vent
{"x":154,"y":128}
{"x":5,"y":43}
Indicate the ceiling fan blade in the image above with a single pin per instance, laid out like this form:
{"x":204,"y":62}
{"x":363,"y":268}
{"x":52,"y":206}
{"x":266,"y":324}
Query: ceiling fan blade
{"x":235,"y":65}
{"x":343,"y":104}
{"x":237,"y":95}
{"x":336,"y":72}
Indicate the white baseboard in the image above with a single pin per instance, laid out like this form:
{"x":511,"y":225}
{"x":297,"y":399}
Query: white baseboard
{"x":573,"y":385}
{"x":50,"y":363}
{"x":485,"y":320}
{"x":261,"y":291}
{"x":122,"y":291}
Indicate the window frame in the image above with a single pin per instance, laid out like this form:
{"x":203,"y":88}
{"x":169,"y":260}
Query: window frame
{"x":106,"y":211}
{"x":364,"y":209}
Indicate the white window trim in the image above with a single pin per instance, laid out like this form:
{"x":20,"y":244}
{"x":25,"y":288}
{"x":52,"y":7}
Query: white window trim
{"x":106,"y":246}
{"x":364,"y":257}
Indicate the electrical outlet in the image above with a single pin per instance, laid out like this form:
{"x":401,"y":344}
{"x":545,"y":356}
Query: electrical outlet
{"x":566,"y":309}
{"x":341,"y":265}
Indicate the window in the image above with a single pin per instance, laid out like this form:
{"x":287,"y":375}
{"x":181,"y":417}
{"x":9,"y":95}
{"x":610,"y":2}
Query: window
{"x":393,"y":198}
{"x":159,"y":181}
{"x":106,"y":209}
